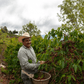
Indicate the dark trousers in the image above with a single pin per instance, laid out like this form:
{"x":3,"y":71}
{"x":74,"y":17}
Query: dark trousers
{"x":26,"y":79}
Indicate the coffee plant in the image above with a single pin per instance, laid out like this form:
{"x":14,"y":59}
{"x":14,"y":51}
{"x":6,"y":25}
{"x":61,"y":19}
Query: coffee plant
{"x":63,"y":55}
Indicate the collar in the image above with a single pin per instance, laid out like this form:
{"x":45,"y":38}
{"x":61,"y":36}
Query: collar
{"x":26,"y":47}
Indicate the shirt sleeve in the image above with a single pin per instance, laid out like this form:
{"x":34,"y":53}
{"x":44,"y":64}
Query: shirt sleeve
{"x":24,"y":61}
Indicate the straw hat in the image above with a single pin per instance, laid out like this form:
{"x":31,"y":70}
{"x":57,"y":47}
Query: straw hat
{"x":25,"y":35}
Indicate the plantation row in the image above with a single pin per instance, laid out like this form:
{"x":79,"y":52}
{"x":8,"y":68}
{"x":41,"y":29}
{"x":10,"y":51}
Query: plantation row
{"x":64,"y":56}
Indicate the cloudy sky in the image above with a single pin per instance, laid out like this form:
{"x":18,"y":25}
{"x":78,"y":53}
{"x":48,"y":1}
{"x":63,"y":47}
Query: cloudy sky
{"x":16,"y":13}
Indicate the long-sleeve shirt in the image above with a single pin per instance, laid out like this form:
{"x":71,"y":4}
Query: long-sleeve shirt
{"x":25,"y":54}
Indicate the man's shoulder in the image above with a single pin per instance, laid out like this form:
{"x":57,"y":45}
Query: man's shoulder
{"x":21,"y":49}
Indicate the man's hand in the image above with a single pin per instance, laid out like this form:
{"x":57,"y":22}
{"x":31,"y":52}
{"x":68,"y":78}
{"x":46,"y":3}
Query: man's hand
{"x":42,"y":62}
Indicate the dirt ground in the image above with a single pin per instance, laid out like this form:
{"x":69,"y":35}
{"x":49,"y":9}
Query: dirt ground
{"x":4,"y":79}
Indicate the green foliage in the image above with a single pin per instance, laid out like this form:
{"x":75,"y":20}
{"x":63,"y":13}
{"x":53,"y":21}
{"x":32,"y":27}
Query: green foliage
{"x":63,"y":57}
{"x":39,"y":76}
{"x":30,"y":61}
{"x":4,"y":29}
{"x":12,"y":60}
{"x":31,"y":28}
{"x":72,"y":12}
{"x":12,"y":82}
{"x":4,"y":71}
{"x":14,"y":32}
{"x":63,"y":53}
{"x":61,"y":49}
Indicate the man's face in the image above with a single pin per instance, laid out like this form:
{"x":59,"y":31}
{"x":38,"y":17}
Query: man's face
{"x":27,"y":42}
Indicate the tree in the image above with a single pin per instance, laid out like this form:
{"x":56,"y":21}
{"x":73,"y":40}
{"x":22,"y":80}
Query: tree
{"x":72,"y":13}
{"x":4,"y":29}
{"x":20,"y":32}
{"x":10,"y":32}
{"x":31,"y":28}
{"x":14,"y":32}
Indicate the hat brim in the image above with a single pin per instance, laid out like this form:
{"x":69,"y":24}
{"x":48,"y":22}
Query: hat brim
{"x":22,"y":37}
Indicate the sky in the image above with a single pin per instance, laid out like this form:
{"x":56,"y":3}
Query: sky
{"x":43,"y":13}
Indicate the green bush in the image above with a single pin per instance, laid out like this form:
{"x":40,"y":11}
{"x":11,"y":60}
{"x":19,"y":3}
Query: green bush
{"x":64,"y":58}
{"x":12,"y":60}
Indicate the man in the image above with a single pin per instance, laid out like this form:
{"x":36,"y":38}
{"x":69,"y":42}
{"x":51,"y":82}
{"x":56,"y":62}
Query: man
{"x":25,"y":54}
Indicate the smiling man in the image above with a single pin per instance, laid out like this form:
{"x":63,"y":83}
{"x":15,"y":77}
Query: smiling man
{"x":25,"y":54}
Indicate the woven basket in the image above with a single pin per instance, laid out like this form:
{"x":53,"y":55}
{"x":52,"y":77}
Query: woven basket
{"x":47,"y":76}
